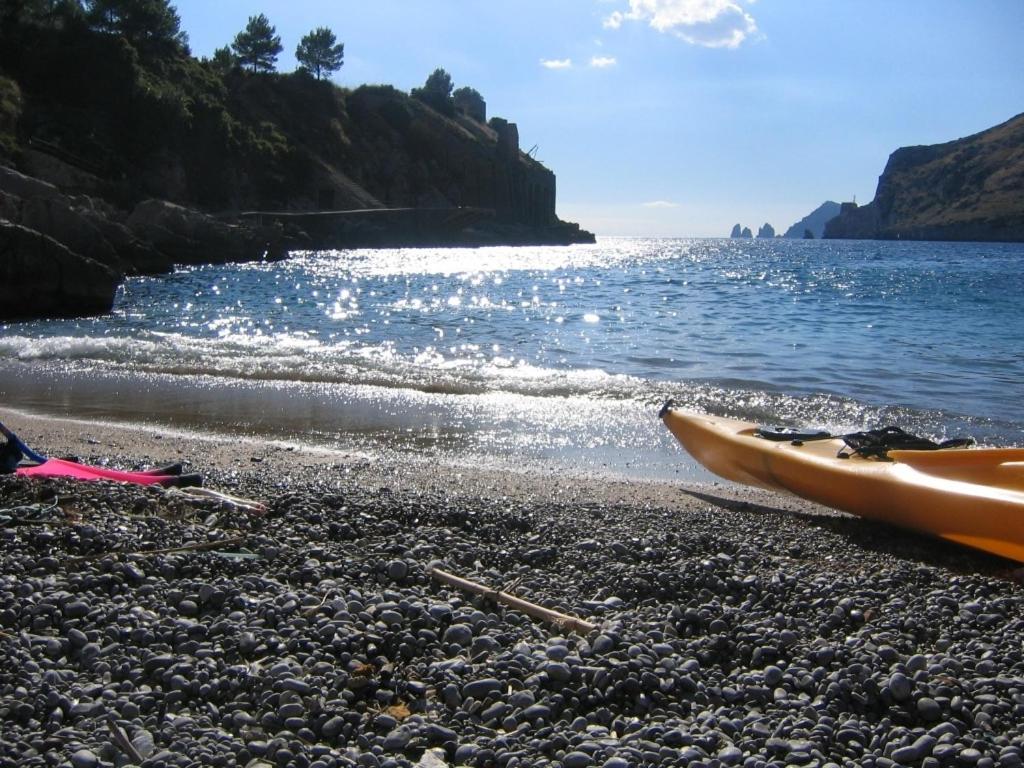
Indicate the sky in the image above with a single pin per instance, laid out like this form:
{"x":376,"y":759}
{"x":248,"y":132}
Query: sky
{"x":683,"y":117}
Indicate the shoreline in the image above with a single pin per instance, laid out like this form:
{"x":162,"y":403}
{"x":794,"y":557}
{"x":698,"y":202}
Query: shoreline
{"x":734,"y":626}
{"x":155,"y":445}
{"x":574,"y":435}
{"x":258,"y":465}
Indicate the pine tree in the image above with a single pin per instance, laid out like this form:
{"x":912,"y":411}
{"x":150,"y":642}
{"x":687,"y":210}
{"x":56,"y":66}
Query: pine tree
{"x":140,"y":22}
{"x":223,"y":60}
{"x":469,"y":101}
{"x":437,"y":92}
{"x":258,"y":45}
{"x":320,"y":52}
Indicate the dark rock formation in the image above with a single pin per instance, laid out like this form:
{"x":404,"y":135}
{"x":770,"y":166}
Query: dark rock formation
{"x":968,"y":189}
{"x":64,"y":255}
{"x":814,"y":222}
{"x":746,"y":232}
{"x":131,"y":157}
{"x":129,"y":126}
{"x":41,"y":277}
{"x":190,"y":237}
{"x":736,"y":231}
{"x":766,"y":231}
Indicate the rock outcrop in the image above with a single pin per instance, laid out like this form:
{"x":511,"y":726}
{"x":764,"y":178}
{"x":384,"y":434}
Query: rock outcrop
{"x":767,"y":231}
{"x":968,"y":189}
{"x":140,"y":158}
{"x":128,"y":125}
{"x":65,"y":255}
{"x":814,"y":222}
{"x":41,"y":277}
{"x":187,"y":236}
{"x":737,"y":231}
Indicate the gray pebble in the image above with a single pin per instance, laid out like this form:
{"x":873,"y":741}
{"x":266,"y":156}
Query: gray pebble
{"x":929,"y":708}
{"x":397,"y":570}
{"x":84,"y":758}
{"x":577,"y":760}
{"x":460,"y":634}
{"x":479,"y":689}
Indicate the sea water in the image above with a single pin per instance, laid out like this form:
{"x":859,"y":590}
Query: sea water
{"x":556,"y":356}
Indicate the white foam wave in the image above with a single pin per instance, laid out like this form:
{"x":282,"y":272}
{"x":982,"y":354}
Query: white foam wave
{"x":299,"y":358}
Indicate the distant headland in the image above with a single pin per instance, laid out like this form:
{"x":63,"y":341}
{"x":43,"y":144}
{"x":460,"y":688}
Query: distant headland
{"x":121,"y":153}
{"x":968,"y":189}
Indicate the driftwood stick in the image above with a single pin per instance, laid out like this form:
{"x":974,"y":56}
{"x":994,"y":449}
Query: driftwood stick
{"x":560,"y":620}
{"x":123,"y":742}
{"x":198,"y":547}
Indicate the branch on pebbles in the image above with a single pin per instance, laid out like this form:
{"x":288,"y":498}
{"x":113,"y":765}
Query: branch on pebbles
{"x":315,"y":609}
{"x":256,"y":508}
{"x":561,"y":620}
{"x":197,"y":547}
{"x":123,"y":742}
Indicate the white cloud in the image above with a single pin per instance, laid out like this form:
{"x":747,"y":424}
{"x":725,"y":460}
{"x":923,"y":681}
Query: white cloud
{"x":711,"y":23}
{"x":660,"y":204}
{"x":556,"y":63}
{"x":614,"y":21}
{"x":603,"y":61}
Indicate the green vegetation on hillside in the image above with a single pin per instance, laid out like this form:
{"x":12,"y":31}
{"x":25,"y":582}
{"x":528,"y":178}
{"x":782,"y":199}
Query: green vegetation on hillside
{"x":437,"y":92}
{"x":320,"y":53}
{"x":258,"y":45}
{"x":152,"y":24}
{"x":111,"y":86}
{"x":104,"y":98}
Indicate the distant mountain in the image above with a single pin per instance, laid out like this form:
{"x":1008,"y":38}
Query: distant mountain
{"x":815,"y":221}
{"x":968,"y":189}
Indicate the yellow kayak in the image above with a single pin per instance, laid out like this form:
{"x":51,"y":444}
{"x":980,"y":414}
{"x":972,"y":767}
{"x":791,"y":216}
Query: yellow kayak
{"x":973,"y":496}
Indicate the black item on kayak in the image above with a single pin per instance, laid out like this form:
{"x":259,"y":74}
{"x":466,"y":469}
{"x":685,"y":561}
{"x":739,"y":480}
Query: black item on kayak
{"x":876,"y":443}
{"x":869,"y":444}
{"x":787,"y":435}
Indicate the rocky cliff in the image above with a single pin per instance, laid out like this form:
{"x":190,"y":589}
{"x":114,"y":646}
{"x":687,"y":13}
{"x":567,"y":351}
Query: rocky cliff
{"x":814,"y":222}
{"x":65,"y":255}
{"x":40,"y":276}
{"x":968,"y":189}
{"x":120,"y":160}
{"x":100,"y":118}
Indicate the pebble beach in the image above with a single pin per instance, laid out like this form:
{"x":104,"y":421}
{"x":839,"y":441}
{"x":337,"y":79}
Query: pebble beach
{"x":733,"y":627}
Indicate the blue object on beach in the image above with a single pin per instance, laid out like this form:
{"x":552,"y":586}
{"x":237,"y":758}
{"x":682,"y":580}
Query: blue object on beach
{"x":15,"y":441}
